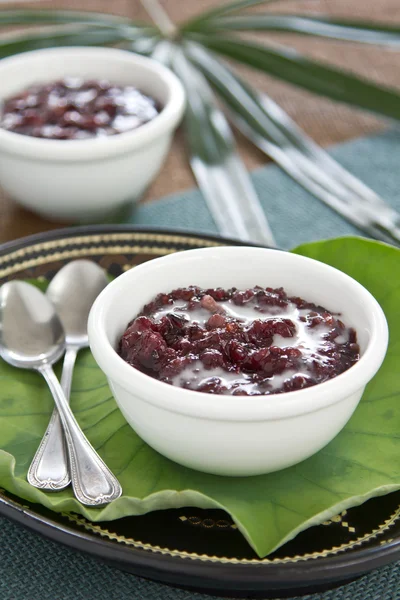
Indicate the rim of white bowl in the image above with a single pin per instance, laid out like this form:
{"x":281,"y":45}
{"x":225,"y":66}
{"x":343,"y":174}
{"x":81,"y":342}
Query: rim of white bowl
{"x":228,"y":407}
{"x":89,"y":149}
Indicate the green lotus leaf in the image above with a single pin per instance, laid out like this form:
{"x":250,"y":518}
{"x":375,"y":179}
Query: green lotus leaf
{"x":361,"y":462}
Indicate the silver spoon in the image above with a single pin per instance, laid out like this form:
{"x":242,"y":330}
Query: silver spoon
{"x":32,"y":337}
{"x":72,"y":292}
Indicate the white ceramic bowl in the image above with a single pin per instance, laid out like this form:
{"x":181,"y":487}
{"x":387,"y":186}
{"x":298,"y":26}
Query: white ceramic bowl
{"x":236,"y":435}
{"x":85,"y":180}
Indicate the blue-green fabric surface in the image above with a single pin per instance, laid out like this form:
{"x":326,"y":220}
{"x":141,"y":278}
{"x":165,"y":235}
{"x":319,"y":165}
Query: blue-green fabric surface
{"x":33,"y":568}
{"x":295,"y":216}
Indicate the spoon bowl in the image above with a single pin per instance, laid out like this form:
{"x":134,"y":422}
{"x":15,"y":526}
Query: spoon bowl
{"x":72,"y":292}
{"x":31,"y":334}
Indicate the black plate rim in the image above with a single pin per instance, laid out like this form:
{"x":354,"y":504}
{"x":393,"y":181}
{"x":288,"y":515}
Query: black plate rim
{"x":59,"y":233}
{"x":201,"y":574}
{"x":207,"y":575}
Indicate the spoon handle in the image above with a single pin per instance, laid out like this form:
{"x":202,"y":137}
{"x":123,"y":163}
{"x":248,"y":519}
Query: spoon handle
{"x":49,"y":467}
{"x":68,"y":369}
{"x":92,"y":481}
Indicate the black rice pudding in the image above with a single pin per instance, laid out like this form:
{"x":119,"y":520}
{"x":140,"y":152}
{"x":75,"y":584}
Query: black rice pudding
{"x":252,"y":342}
{"x":74,"y":108}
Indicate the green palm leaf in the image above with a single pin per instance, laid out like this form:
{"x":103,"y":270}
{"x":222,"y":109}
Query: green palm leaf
{"x":338,"y":29}
{"x":290,"y":66}
{"x":224,"y":9}
{"x":85,"y":36}
{"x":267,"y":126}
{"x":219,"y":171}
{"x":144,"y":44}
{"x":59,"y":17}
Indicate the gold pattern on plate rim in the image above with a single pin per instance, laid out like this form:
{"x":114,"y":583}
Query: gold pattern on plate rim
{"x":82,"y":522}
{"x":104,"y":238}
{"x":123,"y":249}
{"x":87,"y":251}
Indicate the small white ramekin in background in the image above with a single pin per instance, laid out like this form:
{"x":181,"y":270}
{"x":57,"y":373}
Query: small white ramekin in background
{"x":236,"y":435}
{"x":86,"y":180}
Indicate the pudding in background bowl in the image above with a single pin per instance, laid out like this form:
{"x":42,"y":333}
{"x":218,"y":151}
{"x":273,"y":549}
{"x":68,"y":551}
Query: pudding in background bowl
{"x":228,"y":434}
{"x":87,"y":179}
{"x":74,"y":108}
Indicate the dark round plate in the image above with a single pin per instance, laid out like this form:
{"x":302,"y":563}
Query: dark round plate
{"x":190,"y":547}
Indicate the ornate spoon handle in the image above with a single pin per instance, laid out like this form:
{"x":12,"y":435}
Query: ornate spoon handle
{"x":49,"y":468}
{"x":92,"y":481}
